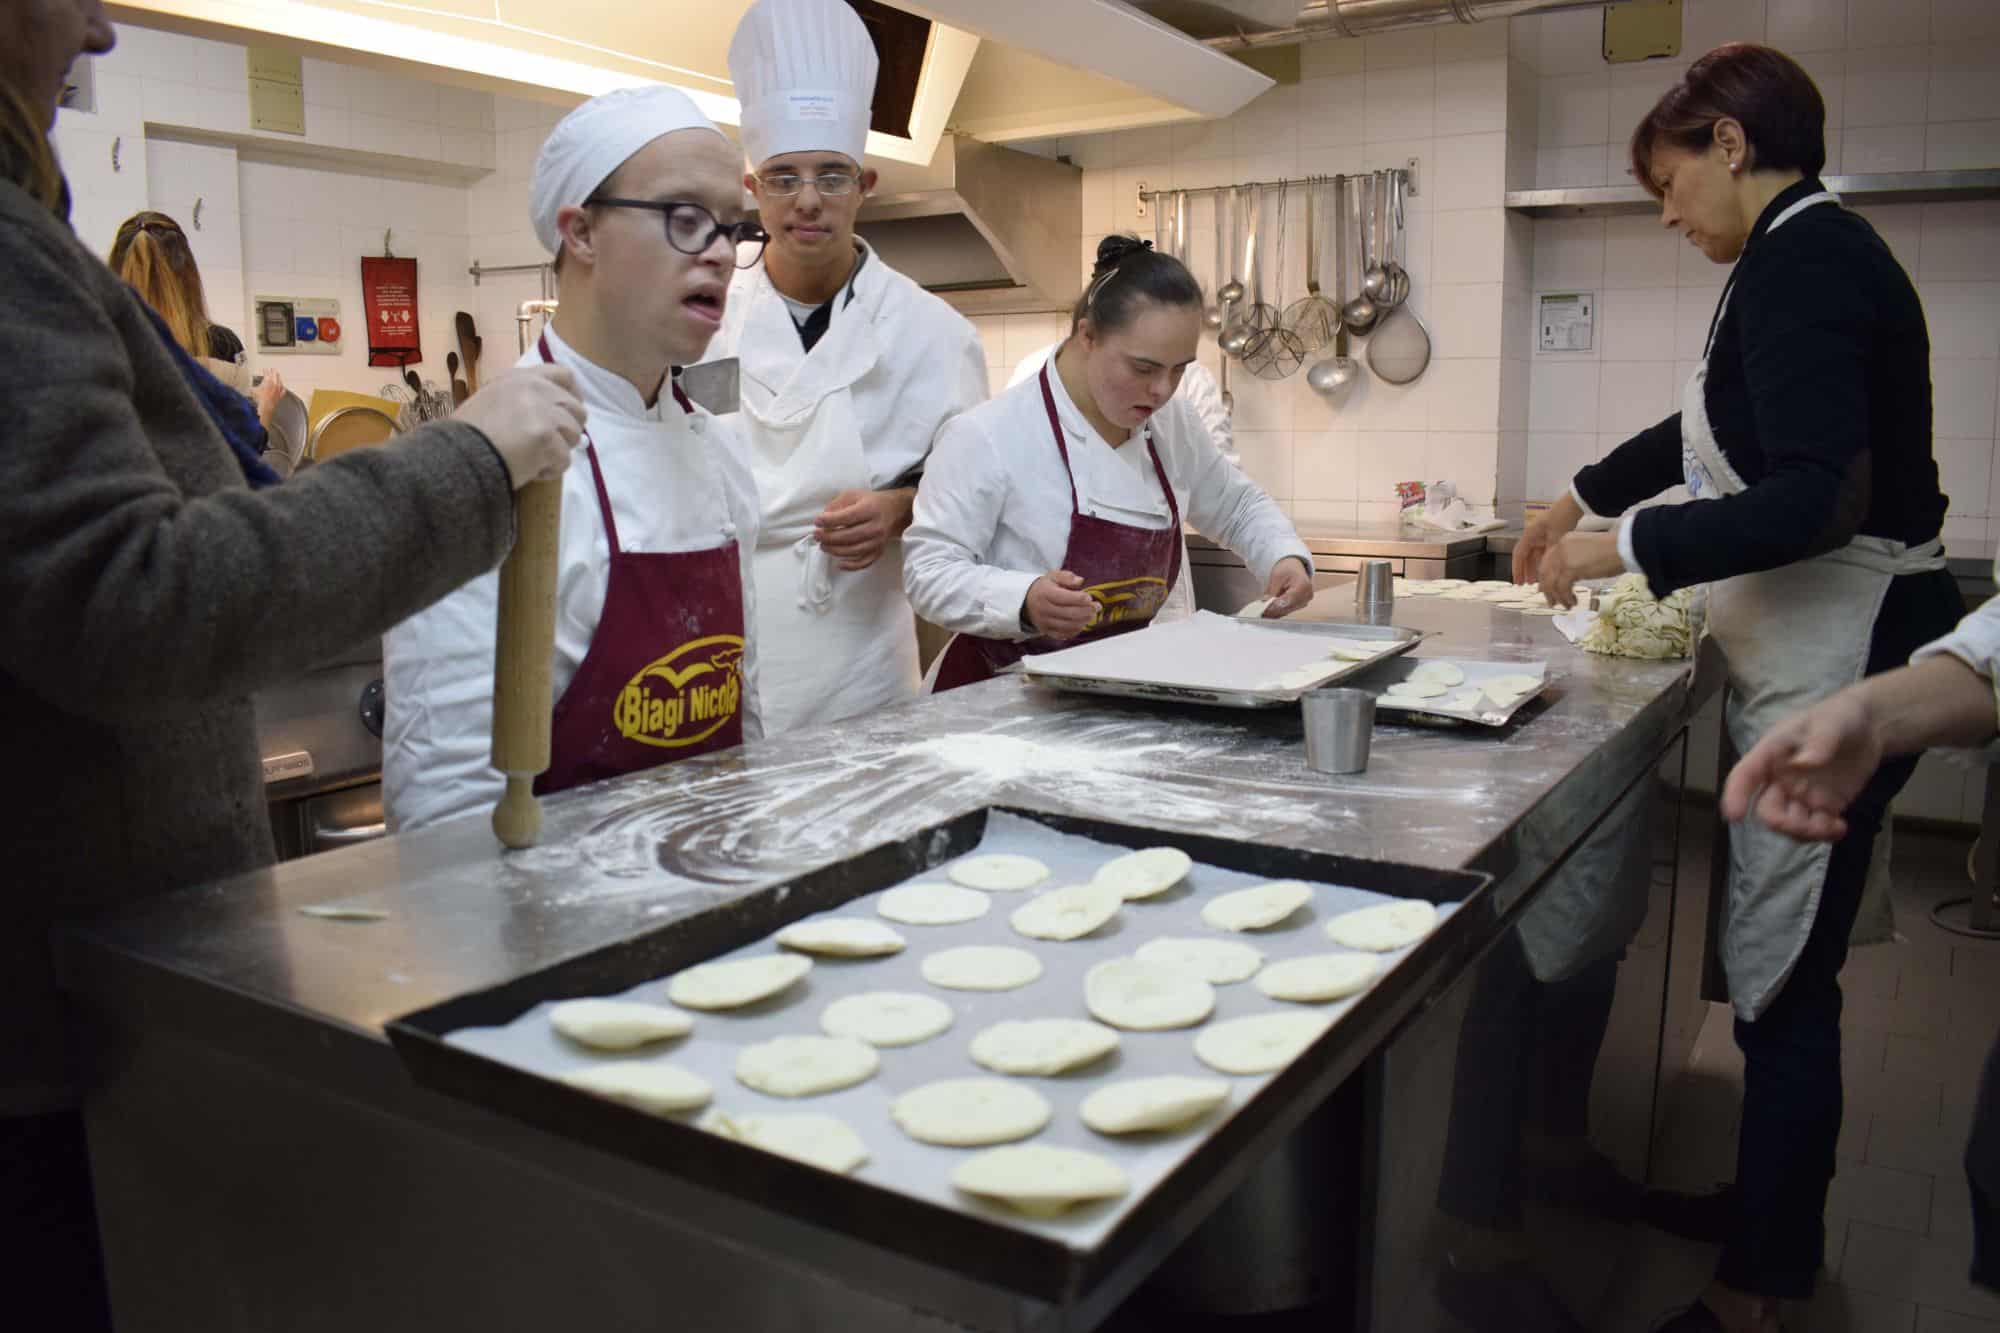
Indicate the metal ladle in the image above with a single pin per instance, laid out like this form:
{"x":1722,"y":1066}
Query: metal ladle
{"x":1359,"y":314}
{"x":1232,"y":290}
{"x":1212,"y":318}
{"x":1327,"y":377}
{"x":1243,"y":330}
{"x":1375,"y":277}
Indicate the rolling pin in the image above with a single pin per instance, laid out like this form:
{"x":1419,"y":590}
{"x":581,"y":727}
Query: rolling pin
{"x":523,"y":661}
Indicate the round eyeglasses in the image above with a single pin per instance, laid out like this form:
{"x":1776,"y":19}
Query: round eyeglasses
{"x":785,"y":184}
{"x":691,"y":229}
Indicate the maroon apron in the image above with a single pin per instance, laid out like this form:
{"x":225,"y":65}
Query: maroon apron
{"x":663,"y":679}
{"x":1120,"y":565}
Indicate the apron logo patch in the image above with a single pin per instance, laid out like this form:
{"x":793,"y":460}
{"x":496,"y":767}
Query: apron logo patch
{"x":684,"y":697}
{"x":1128,"y":599}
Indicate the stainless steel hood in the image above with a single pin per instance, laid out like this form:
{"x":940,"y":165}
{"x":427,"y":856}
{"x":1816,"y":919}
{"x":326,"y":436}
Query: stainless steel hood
{"x":992,"y":230}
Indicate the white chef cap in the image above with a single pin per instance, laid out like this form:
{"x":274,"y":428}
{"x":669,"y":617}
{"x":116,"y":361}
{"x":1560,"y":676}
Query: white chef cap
{"x":594,"y":140}
{"x":805,"y":73}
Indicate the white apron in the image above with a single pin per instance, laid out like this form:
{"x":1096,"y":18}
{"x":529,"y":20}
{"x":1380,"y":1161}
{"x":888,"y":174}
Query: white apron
{"x":831,"y":643}
{"x":1792,"y":636}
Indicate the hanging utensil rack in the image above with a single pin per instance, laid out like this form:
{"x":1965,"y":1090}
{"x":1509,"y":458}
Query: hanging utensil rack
{"x":1407,"y":172}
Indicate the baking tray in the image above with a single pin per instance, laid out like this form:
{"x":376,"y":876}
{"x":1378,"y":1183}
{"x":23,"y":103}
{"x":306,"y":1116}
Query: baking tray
{"x":1176,"y":1179}
{"x":1384,"y":674}
{"x":1112,"y":666}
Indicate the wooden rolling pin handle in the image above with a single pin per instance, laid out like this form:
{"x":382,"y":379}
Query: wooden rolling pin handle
{"x":524,"y":654}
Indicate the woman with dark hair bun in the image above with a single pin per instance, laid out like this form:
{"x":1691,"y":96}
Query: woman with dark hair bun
{"x":1051,"y":515}
{"x":1805,"y":440}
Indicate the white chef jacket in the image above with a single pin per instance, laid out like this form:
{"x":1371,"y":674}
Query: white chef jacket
{"x":1976,"y":642}
{"x":993,"y":514}
{"x":676,"y":481}
{"x":1198,"y":386}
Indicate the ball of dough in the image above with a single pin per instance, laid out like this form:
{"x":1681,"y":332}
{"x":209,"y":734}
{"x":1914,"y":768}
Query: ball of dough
{"x":805,"y":1066}
{"x":886,"y":1017}
{"x":648,"y":1085}
{"x":1260,"y":1043}
{"x":1067,"y":913}
{"x":998,"y":872}
{"x":1143,"y":874}
{"x":1218,"y":962}
{"x":933,"y":904}
{"x":971,"y":1112}
{"x":1319,"y":977}
{"x":1146,"y":997}
{"x":736,"y":982}
{"x":1169,"y":1101}
{"x":617,"y":1025}
{"x":1257,"y":907}
{"x":981,"y":967}
{"x":1042,"y":1046}
{"x":841,"y":937}
{"x":816,"y":1140}
{"x":1383,"y":928}
{"x":1038,"y":1180}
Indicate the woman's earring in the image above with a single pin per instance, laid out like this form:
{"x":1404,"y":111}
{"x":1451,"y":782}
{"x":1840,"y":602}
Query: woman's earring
{"x":1736,"y":166}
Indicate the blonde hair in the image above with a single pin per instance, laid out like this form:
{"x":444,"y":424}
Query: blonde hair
{"x":151,"y":253}
{"x":26,"y":156}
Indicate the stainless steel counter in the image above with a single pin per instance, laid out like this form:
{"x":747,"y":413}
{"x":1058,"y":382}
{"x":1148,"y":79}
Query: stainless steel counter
{"x":278,"y":1017}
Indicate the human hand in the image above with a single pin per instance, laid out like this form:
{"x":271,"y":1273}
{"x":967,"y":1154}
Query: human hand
{"x":533,"y":418}
{"x":857,"y":524}
{"x":1289,"y":588}
{"x":1058,"y":607}
{"x":1576,"y":555}
{"x":1808,"y":769}
{"x":265,"y":394}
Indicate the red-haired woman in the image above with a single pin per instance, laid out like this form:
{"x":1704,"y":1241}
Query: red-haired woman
{"x":1805,"y":438}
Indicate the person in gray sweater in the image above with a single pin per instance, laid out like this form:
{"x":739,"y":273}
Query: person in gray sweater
{"x":146,"y":592}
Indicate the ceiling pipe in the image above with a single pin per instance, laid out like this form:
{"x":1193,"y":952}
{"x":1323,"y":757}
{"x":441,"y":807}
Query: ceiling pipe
{"x":1361,"y":18}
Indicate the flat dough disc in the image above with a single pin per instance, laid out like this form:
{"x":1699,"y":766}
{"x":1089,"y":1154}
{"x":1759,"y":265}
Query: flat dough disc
{"x":1505,"y":689}
{"x":841,"y":937}
{"x":1418,"y":689}
{"x":998,"y":872}
{"x":886,"y":1017}
{"x":740,"y":981}
{"x":816,"y":1140}
{"x":1319,"y":977}
{"x":1354,"y":651}
{"x":1218,"y":962}
{"x":805,"y":1066}
{"x":1444,"y":673}
{"x":1143,"y":874}
{"x":1067,"y":913}
{"x":1255,"y":608}
{"x":1169,"y":1101}
{"x":933,"y":904}
{"x":971,"y":1112}
{"x":647,"y":1084}
{"x":1042,"y":1046}
{"x":1384,"y":928}
{"x":617,"y":1025}
{"x":981,"y":967}
{"x":1260,"y":1043}
{"x":1256,"y":907}
{"x":1038,"y":1180}
{"x":1146,"y":997}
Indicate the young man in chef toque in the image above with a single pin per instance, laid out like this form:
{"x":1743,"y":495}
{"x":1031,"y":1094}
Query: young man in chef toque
{"x":640,"y":199}
{"x":849,"y":371}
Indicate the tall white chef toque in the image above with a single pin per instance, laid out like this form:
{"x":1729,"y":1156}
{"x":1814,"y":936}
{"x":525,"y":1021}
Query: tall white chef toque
{"x":805,"y":73}
{"x":594,"y":140}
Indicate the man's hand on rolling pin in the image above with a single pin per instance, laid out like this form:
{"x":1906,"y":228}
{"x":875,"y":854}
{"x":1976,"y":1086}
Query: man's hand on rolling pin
{"x":1058,"y":607}
{"x":533,"y":419}
{"x":856,"y":525}
{"x":1289,"y":587}
{"x":1579,"y":555}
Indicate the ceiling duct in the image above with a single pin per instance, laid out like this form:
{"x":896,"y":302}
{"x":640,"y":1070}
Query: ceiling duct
{"x":1234,"y":24}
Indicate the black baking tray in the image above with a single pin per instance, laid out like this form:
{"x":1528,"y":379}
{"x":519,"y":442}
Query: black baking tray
{"x":1034,"y":1264}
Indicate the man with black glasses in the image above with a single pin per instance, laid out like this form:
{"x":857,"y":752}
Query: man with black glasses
{"x":849,"y":370}
{"x":639,"y":198}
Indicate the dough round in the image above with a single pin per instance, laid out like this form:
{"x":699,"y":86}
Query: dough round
{"x":886,"y":1017}
{"x":805,"y":1066}
{"x":1255,"y":608}
{"x":981,"y":967}
{"x":1383,"y":928}
{"x":1464,"y":702}
{"x":1139,"y":996}
{"x":933,"y":904}
{"x":646,"y":1084}
{"x":816,"y":1140}
{"x":1418,"y":588}
{"x":1354,"y":652}
{"x":1446,"y":585}
{"x":1256,"y":907}
{"x":1319,"y":977}
{"x":1218,"y":962}
{"x":1166,"y":1102}
{"x":841,"y":937}
{"x":1260,"y":1043}
{"x":998,"y":872}
{"x":1038,"y":1180}
{"x":1145,"y":873}
{"x":1504,"y":690}
{"x":971,"y":1112}
{"x":1067,"y":913}
{"x":737,"y":982}
{"x":617,"y":1025}
{"x":1418,"y":689}
{"x":1042,"y":1045}
{"x":1444,"y":673}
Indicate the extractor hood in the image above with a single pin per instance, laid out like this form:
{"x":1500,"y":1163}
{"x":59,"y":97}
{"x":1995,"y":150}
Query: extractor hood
{"x":992,"y":230}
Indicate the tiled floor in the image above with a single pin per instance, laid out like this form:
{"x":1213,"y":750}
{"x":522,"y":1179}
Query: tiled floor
{"x":1920,"y":1014}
